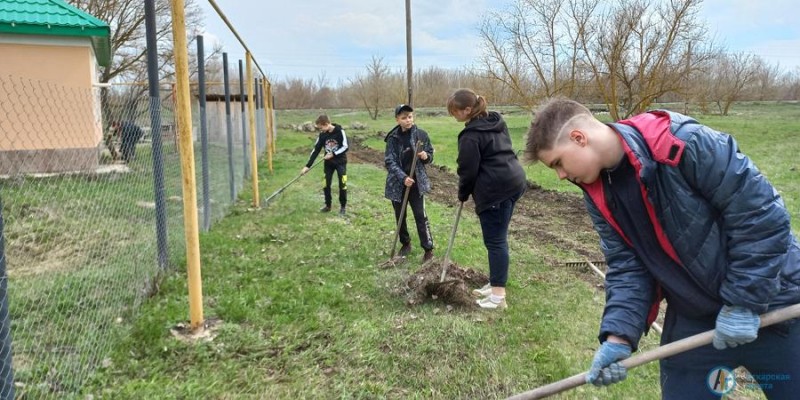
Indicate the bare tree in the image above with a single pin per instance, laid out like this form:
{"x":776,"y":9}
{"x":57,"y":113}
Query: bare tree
{"x":790,"y":84}
{"x":371,"y":88}
{"x":126,"y":19}
{"x":128,"y":49}
{"x":730,"y":74}
{"x":766,"y":80}
{"x":627,"y":54}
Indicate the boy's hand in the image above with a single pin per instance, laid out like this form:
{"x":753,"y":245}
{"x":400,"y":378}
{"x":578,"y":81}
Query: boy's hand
{"x":605,"y":368}
{"x":408,"y":181}
{"x":735,"y":326}
{"x":422,"y":155}
{"x":328,"y":156}
{"x":304,"y":170}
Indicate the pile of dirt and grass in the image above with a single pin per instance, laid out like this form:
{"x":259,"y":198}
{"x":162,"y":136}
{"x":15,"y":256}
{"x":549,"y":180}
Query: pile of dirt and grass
{"x":456,"y":289}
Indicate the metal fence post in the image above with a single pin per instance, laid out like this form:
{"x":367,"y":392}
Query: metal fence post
{"x":244,"y":121}
{"x":6,"y":366}
{"x":201,"y":76}
{"x":228,"y":125}
{"x":155,"y":133}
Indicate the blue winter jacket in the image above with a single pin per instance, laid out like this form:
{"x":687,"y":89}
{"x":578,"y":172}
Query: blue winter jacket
{"x":714,"y":213}
{"x":393,"y":159}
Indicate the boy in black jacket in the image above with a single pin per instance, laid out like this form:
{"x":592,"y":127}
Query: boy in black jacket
{"x":334,"y":140}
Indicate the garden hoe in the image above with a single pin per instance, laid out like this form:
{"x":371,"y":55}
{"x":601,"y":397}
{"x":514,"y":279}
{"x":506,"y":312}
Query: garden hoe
{"x":668,"y":350}
{"x":277,"y":192}
{"x":394,"y":261}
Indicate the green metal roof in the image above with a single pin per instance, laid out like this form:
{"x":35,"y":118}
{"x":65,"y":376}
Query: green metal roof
{"x":55,"y":18}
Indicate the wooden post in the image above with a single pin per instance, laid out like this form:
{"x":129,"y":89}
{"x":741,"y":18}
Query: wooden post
{"x":186,"y":146}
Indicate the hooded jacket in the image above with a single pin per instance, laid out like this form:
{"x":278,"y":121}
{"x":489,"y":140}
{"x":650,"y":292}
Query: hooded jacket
{"x":714,"y":214}
{"x":395,"y":162}
{"x":488,"y":168}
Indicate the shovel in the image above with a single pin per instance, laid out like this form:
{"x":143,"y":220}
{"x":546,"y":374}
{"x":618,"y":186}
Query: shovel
{"x":450,"y":243}
{"x":277,"y":192}
{"x":668,"y":350}
{"x":392,"y":262}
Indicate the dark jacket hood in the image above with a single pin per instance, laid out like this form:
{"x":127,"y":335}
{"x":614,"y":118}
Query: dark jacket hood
{"x":493,"y":123}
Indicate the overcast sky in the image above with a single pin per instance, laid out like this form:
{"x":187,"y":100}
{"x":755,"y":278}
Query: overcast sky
{"x":336,"y":39}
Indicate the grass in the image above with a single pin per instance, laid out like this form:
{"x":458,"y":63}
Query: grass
{"x":80,"y":252}
{"x":305,"y":313}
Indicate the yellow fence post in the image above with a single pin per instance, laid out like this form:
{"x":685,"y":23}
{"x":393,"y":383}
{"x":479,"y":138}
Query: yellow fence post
{"x":185,"y":144}
{"x":251,"y":117}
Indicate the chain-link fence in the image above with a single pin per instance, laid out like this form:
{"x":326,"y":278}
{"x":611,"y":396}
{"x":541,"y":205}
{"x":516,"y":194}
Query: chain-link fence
{"x":80,"y":170}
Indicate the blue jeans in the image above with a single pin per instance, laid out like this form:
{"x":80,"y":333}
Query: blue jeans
{"x":494,"y":224}
{"x":773,"y":360}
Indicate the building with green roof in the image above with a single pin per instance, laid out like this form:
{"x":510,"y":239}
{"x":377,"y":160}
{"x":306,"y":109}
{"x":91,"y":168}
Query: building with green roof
{"x":55,"y":18}
{"x":50,"y":55}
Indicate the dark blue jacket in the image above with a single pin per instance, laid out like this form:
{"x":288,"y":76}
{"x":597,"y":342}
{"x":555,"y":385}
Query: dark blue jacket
{"x":714,"y":213}
{"x":393,"y":159}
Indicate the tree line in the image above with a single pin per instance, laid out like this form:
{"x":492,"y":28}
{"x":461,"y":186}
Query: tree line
{"x":624,"y":55}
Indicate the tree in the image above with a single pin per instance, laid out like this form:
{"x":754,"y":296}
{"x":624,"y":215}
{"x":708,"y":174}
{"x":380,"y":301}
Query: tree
{"x":625,"y":54}
{"x":730,"y":75}
{"x":766,"y":80}
{"x":126,"y":19}
{"x":374,"y":89}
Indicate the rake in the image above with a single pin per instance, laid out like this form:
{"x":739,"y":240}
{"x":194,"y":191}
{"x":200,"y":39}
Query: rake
{"x":277,"y":192}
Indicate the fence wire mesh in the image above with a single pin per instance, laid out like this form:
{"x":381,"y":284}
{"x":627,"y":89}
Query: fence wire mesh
{"x":79,"y":218}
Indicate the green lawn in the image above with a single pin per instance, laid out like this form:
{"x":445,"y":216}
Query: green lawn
{"x":304,"y":312}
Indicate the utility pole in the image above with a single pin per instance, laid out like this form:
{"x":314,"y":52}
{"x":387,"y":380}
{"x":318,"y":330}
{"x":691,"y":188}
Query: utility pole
{"x":409,"y":63}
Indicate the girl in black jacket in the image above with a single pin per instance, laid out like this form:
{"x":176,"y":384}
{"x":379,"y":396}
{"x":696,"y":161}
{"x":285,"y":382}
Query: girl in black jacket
{"x":488,"y":170}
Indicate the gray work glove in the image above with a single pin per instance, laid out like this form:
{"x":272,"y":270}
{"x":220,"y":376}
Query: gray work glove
{"x":605,"y":369}
{"x":735,"y":326}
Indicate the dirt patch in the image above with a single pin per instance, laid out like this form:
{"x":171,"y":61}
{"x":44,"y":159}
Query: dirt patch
{"x":455,"y":290}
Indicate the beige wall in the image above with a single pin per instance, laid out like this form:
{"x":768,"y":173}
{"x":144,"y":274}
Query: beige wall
{"x":48,"y":97}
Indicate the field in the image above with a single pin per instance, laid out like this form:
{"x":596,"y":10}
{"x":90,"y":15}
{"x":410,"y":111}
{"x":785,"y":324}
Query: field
{"x":301,"y":308}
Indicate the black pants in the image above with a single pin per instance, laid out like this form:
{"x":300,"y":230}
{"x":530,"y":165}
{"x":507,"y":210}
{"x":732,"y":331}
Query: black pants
{"x":417,"y":203}
{"x":341,"y":171}
{"x":494,"y":225}
{"x":128,"y":147}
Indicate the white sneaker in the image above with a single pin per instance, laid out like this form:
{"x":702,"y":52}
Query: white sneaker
{"x":484,"y":291}
{"x":487,"y":303}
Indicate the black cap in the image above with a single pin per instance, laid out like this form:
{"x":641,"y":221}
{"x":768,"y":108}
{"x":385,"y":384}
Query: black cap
{"x":401,"y":108}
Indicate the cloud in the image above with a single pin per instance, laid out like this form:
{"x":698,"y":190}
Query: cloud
{"x":306,"y":38}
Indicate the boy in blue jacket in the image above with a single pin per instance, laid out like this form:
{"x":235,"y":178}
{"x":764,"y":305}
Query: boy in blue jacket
{"x":398,"y":158}
{"x":683,"y":215}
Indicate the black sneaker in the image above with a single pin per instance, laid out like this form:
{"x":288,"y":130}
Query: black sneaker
{"x":325,"y":209}
{"x":427,"y":256}
{"x":405,"y":250}
{"x":342,"y":211}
